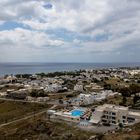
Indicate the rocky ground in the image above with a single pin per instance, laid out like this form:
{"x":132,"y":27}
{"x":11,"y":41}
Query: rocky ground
{"x":43,"y":130}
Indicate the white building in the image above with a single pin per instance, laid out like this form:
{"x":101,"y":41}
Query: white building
{"x":3,"y":94}
{"x":68,"y":115}
{"x":114,"y":115}
{"x":11,"y":78}
{"x":85,"y":99}
{"x":94,"y":86}
{"x":53,"y":88}
{"x":78,"y":87}
{"x":42,"y":99}
{"x":133,"y":72}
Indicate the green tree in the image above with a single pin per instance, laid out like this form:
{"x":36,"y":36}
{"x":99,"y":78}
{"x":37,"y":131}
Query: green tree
{"x":121,"y":125}
{"x":125,"y":92}
{"x":135,"y":99}
{"x":33,"y":94}
{"x":134,"y":88}
{"x":107,"y":86}
{"x":124,"y":100}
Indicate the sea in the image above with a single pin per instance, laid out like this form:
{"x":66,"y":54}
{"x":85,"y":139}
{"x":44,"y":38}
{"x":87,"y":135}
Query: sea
{"x":33,"y":68}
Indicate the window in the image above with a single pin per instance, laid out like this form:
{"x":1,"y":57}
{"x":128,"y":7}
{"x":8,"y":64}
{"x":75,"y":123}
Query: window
{"x":113,"y":113}
{"x":124,"y":117}
{"x":104,"y":121}
{"x":113,"y":122}
{"x":113,"y":118}
{"x":103,"y":116}
{"x":129,"y":119}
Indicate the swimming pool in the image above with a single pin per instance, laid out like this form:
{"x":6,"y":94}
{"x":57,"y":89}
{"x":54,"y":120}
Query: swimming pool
{"x":76,"y":113}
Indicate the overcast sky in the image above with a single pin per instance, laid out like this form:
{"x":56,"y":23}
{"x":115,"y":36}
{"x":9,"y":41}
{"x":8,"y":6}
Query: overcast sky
{"x":69,"y":30}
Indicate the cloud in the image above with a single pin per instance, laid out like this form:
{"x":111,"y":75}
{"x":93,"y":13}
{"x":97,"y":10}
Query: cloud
{"x":20,"y":37}
{"x":99,"y":28}
{"x":26,"y":45}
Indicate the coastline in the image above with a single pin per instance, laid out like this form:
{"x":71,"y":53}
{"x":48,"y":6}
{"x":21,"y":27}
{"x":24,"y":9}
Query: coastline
{"x":39,"y":67}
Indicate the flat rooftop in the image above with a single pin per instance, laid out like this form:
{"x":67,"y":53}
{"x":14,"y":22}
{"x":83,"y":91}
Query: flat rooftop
{"x":111,"y":106}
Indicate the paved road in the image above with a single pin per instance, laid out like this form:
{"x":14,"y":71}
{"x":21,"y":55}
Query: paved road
{"x":24,"y":101}
{"x":55,"y":102}
{"x":28,"y":116}
{"x":24,"y":118}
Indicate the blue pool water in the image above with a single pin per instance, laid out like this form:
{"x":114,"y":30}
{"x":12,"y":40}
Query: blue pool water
{"x":76,"y":112}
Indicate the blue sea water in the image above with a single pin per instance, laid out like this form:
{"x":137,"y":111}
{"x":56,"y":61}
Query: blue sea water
{"x":32,"y":68}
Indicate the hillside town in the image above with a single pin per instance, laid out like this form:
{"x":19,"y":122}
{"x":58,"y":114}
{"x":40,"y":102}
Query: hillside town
{"x":100,"y":101}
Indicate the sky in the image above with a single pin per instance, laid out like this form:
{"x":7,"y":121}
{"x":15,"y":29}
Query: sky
{"x":69,"y":30}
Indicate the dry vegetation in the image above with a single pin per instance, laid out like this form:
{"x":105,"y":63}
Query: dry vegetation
{"x":10,"y":110}
{"x":124,"y":134}
{"x":43,"y":130}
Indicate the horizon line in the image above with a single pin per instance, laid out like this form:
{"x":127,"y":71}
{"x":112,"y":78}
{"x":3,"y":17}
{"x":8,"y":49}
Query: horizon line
{"x":69,"y":62}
